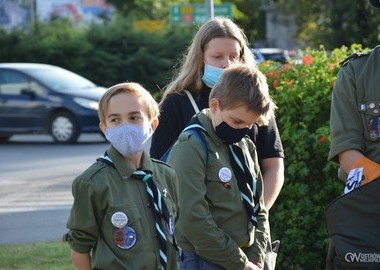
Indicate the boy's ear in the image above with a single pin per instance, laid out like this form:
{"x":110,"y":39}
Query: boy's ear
{"x":154,"y":124}
{"x":102,"y":127}
{"x":213,"y":104}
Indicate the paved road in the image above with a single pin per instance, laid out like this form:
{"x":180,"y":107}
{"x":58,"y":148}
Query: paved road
{"x":32,"y":226}
{"x":35,"y":185}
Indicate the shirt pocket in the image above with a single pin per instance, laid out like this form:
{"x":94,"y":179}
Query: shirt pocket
{"x":133,"y":217}
{"x":370,"y":112}
{"x":220,"y":183}
{"x":111,"y":226}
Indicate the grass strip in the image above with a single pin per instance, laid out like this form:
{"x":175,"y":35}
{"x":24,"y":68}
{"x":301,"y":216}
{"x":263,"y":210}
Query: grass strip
{"x":32,"y":256}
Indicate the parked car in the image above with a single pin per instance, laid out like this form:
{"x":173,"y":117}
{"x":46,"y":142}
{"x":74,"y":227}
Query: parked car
{"x":41,"y":98}
{"x":273,"y":54}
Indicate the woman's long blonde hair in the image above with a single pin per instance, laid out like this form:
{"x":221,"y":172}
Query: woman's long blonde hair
{"x":191,"y":71}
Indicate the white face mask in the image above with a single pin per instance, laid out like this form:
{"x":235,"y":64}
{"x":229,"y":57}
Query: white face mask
{"x":129,"y":139}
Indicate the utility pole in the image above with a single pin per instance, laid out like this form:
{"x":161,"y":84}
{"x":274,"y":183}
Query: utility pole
{"x":210,"y":9}
{"x":33,"y":14}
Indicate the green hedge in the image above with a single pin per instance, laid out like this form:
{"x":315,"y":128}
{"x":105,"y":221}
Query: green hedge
{"x":115,"y":53}
{"x":303,"y":94}
{"x":106,"y":55}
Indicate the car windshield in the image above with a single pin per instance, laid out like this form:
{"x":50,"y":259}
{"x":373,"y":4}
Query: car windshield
{"x":60,"y":80}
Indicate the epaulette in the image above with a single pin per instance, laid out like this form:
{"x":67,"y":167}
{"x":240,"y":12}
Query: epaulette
{"x":160,"y":161}
{"x":353,"y":56}
{"x":93,"y":169}
{"x":106,"y":160}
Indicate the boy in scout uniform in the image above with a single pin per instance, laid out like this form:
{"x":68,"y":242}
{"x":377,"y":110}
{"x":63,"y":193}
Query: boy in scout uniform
{"x":353,"y":219}
{"x":126,"y":203}
{"x":223,"y":222}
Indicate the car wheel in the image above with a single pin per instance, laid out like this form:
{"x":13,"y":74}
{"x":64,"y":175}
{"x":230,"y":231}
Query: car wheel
{"x":4,"y":138}
{"x":63,"y":128}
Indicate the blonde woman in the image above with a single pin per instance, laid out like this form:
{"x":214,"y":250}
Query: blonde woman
{"x":218,"y":43}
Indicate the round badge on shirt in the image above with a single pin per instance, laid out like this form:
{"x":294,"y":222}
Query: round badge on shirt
{"x":125,"y":237}
{"x":225,"y":175}
{"x":119,"y":219}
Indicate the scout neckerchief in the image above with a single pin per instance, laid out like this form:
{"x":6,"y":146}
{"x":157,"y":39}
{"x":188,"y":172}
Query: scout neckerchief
{"x":160,"y":210}
{"x":246,"y":182}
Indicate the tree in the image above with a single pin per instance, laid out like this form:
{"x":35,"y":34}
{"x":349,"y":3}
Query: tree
{"x":249,"y":15}
{"x":333,"y":23}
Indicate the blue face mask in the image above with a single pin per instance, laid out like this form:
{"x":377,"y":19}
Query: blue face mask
{"x":229,"y":134}
{"x":129,"y":139}
{"x":211,"y":75}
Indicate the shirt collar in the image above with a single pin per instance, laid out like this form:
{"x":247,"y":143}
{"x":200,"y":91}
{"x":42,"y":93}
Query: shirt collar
{"x":124,"y":168}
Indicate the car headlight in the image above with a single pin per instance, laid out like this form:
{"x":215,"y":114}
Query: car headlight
{"x":87,"y":103}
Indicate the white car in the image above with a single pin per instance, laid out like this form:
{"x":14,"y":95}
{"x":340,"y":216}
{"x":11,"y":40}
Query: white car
{"x":273,"y":54}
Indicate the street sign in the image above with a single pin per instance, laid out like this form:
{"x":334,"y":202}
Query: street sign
{"x":196,"y":13}
{"x":149,"y":25}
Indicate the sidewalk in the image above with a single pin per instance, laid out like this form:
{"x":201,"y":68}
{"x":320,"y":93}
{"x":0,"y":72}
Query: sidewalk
{"x":33,"y":226}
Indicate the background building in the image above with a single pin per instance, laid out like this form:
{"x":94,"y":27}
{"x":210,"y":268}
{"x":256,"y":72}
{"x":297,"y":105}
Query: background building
{"x":21,"y":13}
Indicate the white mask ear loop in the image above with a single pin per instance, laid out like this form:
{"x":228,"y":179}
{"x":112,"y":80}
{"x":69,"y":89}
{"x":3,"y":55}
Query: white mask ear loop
{"x":214,"y":120}
{"x":150,"y":133}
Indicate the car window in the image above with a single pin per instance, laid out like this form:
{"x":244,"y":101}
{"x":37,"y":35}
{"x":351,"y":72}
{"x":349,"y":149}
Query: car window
{"x":60,"y":80}
{"x":272,"y":54}
{"x":258,"y":56}
{"x":16,"y":83}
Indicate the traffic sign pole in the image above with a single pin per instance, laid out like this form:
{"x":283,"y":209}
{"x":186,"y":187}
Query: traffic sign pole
{"x":210,"y":9}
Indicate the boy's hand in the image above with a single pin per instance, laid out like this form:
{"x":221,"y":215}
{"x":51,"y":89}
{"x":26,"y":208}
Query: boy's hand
{"x":371,"y":170}
{"x":252,"y":266}
{"x":362,"y":172}
{"x":81,"y":261}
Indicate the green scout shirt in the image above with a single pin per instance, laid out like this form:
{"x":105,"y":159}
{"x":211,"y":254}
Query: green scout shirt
{"x":214,"y":222}
{"x":356,"y":102}
{"x":101,"y":191}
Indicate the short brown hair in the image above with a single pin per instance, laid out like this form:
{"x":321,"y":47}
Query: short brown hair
{"x":131,"y":88}
{"x":244,"y":85}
